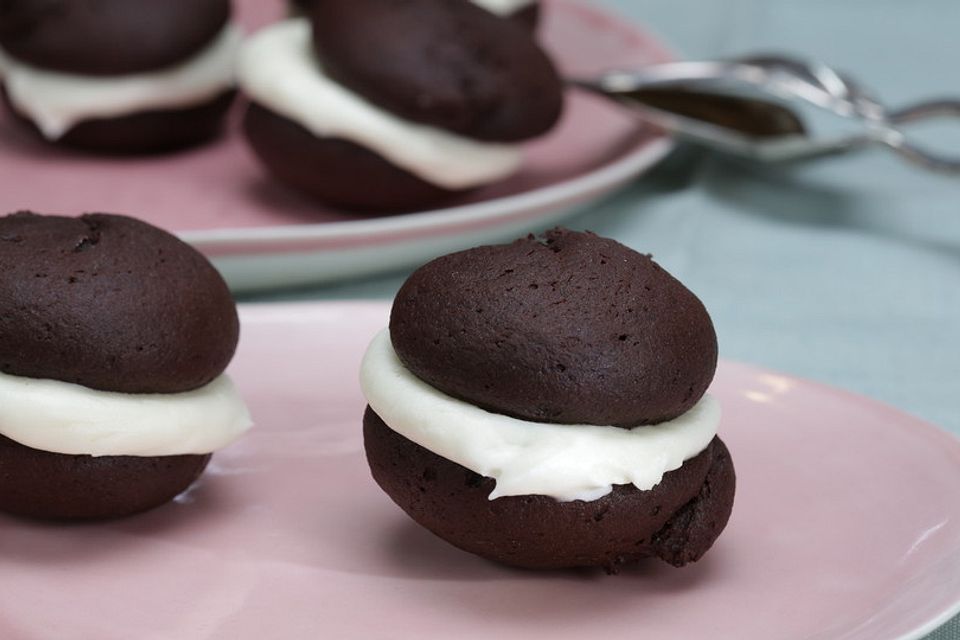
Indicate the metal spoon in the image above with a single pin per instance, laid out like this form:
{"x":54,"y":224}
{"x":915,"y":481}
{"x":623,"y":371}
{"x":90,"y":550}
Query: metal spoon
{"x":765,"y":108}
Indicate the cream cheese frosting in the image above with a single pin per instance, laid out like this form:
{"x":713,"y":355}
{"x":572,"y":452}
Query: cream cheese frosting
{"x":56,"y":101}
{"x":68,"y":418}
{"x":504,"y":7}
{"x":567,"y":462}
{"x":278,"y":70}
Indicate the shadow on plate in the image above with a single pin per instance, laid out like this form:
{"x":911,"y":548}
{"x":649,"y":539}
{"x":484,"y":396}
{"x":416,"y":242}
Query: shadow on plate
{"x":412,"y":552}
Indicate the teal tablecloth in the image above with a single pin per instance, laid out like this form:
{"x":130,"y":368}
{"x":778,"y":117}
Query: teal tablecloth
{"x":846,"y":270}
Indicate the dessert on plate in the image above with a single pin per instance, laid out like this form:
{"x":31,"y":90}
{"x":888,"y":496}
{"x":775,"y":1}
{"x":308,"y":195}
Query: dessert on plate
{"x":114,"y":336}
{"x":119,"y":76}
{"x":542,"y":404}
{"x":382,"y":105}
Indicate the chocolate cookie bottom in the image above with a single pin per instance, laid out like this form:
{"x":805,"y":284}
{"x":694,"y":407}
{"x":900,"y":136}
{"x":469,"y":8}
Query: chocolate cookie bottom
{"x":144,"y":132}
{"x":676,"y":521}
{"x":334,"y":170}
{"x":41,"y":484}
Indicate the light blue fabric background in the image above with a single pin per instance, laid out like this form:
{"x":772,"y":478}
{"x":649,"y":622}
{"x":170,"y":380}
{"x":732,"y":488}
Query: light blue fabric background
{"x":845,"y":270}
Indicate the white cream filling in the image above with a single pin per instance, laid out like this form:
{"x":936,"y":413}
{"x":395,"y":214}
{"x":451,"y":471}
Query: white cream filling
{"x":504,"y":7}
{"x":567,"y":462}
{"x":278,"y":69}
{"x":57,"y":101}
{"x":68,"y":418}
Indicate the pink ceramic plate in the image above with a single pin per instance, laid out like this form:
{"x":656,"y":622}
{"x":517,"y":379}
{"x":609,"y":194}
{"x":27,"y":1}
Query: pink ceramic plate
{"x":846,"y":525}
{"x":265,"y":236}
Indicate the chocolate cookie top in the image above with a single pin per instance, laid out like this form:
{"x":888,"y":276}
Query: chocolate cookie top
{"x":568,"y":328}
{"x":111,"y":303}
{"x":446,"y":64}
{"x":108,"y":37}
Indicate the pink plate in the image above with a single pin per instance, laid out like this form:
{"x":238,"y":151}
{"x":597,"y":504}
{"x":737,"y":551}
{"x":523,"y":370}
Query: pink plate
{"x":263,"y":235}
{"x":846,"y":525}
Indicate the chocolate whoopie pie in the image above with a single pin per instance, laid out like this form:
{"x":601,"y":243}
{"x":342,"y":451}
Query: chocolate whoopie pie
{"x":569,"y":333}
{"x":157,"y":75}
{"x":105,"y":308}
{"x":444,"y":90}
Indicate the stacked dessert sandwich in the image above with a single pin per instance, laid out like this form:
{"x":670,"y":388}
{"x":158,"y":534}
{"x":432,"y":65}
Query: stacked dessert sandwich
{"x":114,"y":336}
{"x":373,"y":104}
{"x":543,"y":404}
{"x":119,"y":76}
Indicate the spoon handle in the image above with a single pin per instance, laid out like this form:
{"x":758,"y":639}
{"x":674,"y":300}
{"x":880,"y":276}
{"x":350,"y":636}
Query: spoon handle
{"x":894,"y":136}
{"x":752,"y":108}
